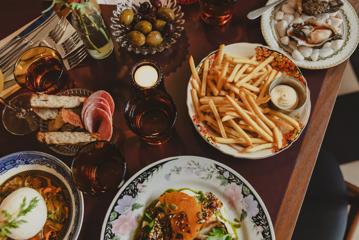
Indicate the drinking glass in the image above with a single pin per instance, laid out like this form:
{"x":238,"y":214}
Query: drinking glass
{"x":98,"y":167}
{"x":38,"y":69}
{"x":151,"y":112}
{"x":217,"y":12}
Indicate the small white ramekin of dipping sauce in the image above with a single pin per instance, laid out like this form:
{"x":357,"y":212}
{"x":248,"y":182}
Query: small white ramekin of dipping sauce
{"x":146,"y":75}
{"x":284,"y":97}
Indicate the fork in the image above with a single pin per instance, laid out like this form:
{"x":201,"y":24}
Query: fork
{"x":69,"y":44}
{"x":58,"y":32}
{"x":75,"y":58}
{"x":9,"y":57}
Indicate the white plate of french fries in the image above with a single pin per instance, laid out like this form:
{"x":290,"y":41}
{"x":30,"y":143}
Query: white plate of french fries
{"x":229,"y":103}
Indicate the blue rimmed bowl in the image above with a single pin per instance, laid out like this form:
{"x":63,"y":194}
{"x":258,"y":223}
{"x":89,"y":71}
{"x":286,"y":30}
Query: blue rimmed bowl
{"x":19,"y":162}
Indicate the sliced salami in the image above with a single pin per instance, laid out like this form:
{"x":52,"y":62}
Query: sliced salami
{"x":97,"y":120}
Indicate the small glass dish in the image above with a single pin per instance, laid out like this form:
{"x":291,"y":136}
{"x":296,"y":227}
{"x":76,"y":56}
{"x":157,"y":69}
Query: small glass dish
{"x":120,"y":31}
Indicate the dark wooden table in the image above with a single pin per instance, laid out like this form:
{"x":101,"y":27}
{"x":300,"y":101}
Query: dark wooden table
{"x":281,"y":181}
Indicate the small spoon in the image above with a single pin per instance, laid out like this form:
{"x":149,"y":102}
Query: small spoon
{"x":259,"y":12}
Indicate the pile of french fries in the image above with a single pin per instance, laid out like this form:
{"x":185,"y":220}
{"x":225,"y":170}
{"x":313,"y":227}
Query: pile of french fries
{"x":230,"y":95}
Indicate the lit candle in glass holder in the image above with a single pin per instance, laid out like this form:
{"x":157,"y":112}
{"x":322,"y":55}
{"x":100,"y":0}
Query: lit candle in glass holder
{"x":146,"y":75}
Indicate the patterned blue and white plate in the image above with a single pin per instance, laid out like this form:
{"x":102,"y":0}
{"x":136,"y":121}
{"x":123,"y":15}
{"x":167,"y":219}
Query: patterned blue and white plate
{"x":240,"y":199}
{"x":15,"y":163}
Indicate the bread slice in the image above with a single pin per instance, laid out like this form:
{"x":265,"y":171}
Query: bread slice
{"x":54,"y":101}
{"x":64,"y":138}
{"x":65,"y":116}
{"x":46,"y":113}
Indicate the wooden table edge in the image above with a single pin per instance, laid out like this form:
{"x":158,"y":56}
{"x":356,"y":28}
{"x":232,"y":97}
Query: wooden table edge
{"x":298,"y":183}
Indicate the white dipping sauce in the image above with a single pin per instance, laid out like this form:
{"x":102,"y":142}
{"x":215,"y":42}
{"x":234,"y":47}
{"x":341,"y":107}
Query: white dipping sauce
{"x":146,"y":76}
{"x":284,"y":97}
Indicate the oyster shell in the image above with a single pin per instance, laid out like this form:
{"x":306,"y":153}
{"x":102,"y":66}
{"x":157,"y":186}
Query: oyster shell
{"x":316,"y":7}
{"x":312,"y":33}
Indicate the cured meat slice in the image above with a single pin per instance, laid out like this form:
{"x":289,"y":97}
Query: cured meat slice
{"x":97,"y":102}
{"x":97,"y":120}
{"x":105,"y":95}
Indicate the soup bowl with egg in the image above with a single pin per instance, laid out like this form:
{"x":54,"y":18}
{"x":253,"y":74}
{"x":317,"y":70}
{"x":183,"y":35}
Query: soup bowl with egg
{"x":36,"y":190}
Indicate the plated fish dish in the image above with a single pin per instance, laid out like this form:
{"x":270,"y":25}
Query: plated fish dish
{"x":186,"y":214}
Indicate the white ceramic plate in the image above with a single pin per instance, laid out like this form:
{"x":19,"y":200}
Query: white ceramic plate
{"x":16,"y":163}
{"x":242,"y":50}
{"x":238,"y":196}
{"x":350,"y":37}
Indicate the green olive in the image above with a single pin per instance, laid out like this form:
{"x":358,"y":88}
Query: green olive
{"x":159,"y":24}
{"x":127,"y":16}
{"x":166,"y":13}
{"x":137,"y":38}
{"x":154,"y":38}
{"x":143,"y":26}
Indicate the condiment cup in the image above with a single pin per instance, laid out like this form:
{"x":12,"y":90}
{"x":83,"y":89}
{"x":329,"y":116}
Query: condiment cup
{"x":298,"y":86}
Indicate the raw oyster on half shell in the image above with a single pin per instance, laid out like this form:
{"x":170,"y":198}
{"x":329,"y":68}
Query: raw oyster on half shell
{"x":316,"y":7}
{"x":312,"y":33}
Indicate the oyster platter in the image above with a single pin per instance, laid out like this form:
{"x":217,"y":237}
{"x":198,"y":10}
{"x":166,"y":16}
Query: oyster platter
{"x":317,"y":34}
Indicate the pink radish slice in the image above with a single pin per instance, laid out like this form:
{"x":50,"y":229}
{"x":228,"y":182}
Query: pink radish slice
{"x":98,"y":121}
{"x":105,"y":95}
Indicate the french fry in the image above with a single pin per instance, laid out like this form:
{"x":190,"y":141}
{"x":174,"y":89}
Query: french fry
{"x":212,"y":87}
{"x":286,"y":118}
{"x":194,"y":72}
{"x":258,"y":147}
{"x":259,"y":112}
{"x":236,"y":127}
{"x":257,"y":69}
{"x":228,"y":117}
{"x":196,"y":103}
{"x":250,"y":122}
{"x":278,"y":138}
{"x":261,"y":79}
{"x":195,"y":85}
{"x":250,"y":87}
{"x":222,"y":77}
{"x":220,"y":55}
{"x":233,"y":73}
{"x":281,"y":124}
{"x":263,"y":100}
{"x":235,"y":60}
{"x":230,"y":140}
{"x":241,"y":72}
{"x":218,"y":118}
{"x":204,"y":78}
{"x":265,"y":86}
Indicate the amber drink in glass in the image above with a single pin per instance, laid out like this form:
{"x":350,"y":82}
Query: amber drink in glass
{"x":151,"y":112}
{"x":98,"y":167}
{"x":217,"y":12}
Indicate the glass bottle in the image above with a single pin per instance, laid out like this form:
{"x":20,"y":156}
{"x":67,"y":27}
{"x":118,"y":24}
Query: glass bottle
{"x":87,"y":20}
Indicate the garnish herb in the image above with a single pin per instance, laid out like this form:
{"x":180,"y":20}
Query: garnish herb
{"x":218,"y":233}
{"x":14,"y":221}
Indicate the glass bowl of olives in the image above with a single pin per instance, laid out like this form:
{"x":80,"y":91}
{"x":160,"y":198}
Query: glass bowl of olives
{"x":147,"y":26}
